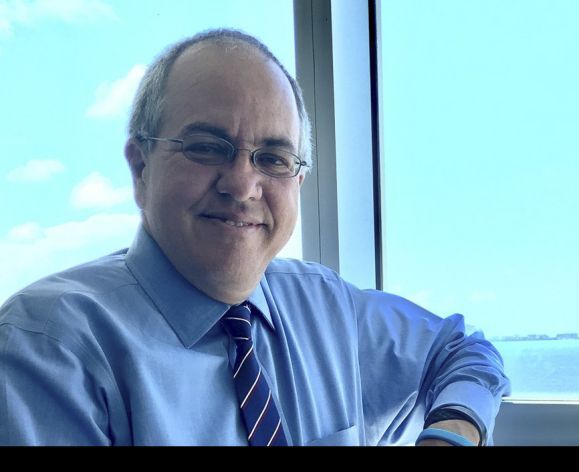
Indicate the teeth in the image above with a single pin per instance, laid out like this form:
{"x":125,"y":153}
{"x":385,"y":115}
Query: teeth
{"x":239,"y":224}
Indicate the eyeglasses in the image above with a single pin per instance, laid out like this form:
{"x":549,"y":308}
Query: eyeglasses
{"x":213,"y":151}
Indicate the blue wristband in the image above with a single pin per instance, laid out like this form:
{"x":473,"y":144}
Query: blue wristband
{"x":443,"y":435}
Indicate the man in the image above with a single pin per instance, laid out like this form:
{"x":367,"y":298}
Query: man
{"x":196,"y":335}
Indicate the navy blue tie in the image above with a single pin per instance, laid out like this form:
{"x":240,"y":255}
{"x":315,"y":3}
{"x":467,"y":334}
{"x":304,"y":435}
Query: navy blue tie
{"x":258,"y":409}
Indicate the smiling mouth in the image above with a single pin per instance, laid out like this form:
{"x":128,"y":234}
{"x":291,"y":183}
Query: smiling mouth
{"x":238,"y":224}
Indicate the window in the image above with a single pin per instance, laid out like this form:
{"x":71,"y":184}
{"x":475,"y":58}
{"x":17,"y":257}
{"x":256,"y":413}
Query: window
{"x":480,"y":115}
{"x":69,"y":71}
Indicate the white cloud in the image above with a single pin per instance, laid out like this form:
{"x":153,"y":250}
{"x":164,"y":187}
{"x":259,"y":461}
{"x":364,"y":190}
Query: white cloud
{"x":97,"y":191}
{"x":26,"y":12}
{"x":74,"y":10}
{"x":114,"y":98}
{"x":25,"y":233}
{"x":30,"y":251}
{"x":78,"y":234}
{"x":35,"y":170}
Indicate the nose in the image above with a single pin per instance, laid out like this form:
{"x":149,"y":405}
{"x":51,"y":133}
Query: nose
{"x":239,"y":179}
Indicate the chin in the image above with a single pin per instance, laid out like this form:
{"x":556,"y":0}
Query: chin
{"x":228,"y":287}
{"x":233,"y":270}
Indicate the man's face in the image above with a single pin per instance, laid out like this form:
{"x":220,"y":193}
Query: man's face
{"x":221,"y":225}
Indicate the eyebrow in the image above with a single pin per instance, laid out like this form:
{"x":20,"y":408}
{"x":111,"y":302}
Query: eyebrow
{"x":204,"y":127}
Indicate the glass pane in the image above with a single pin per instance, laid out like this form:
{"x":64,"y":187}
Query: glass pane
{"x":480,"y":125}
{"x":68,"y":74}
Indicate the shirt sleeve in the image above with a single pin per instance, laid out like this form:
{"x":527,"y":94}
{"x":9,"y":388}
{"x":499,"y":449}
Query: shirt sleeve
{"x":412,"y":362}
{"x":48,"y":395}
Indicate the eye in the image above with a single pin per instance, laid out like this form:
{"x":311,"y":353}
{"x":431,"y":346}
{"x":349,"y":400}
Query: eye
{"x":268,"y":159}
{"x":206,"y":148}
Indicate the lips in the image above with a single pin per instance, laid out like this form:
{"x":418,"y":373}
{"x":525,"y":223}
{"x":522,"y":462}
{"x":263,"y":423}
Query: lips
{"x":232,"y":219}
{"x":239,"y":224}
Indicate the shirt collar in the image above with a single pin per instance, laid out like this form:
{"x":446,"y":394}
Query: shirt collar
{"x":190,"y":312}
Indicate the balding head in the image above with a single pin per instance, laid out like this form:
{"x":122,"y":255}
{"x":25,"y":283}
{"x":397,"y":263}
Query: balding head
{"x":149,"y":104}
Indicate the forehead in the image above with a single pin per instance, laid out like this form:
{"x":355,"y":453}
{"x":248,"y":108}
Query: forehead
{"x":233,"y":87}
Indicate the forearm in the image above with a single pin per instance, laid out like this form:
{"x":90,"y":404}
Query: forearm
{"x":468,"y":380}
{"x":461,"y":427}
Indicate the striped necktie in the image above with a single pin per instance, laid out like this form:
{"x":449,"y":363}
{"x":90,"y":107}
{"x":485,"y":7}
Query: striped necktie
{"x":258,"y":409}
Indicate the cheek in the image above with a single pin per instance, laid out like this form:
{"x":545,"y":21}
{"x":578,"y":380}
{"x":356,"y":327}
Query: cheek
{"x":178,"y":188}
{"x":286,"y":208}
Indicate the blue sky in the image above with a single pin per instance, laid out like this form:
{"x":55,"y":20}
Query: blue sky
{"x":481,"y":129}
{"x":68,"y":71}
{"x":481,"y":120}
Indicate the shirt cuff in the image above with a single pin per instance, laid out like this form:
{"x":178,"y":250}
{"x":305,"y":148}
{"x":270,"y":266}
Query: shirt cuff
{"x":456,"y":412}
{"x":473,"y":400}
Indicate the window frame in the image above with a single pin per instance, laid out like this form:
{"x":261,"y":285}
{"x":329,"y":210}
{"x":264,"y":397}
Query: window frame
{"x":322,"y":54}
{"x":346,"y":241}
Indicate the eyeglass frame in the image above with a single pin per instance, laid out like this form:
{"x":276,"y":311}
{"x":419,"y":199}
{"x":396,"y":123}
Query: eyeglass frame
{"x":301,"y":163}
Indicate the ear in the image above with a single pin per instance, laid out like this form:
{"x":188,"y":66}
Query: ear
{"x":137,"y":160}
{"x":301,"y":178}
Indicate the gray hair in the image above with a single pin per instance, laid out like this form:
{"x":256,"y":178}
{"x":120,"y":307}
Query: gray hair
{"x":148,"y":105}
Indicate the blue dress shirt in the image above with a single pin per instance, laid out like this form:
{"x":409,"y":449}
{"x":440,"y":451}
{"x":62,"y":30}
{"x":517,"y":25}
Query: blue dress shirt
{"x":123,"y":350}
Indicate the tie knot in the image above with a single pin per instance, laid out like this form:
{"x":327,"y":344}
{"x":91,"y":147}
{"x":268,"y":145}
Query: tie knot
{"x":237,"y":322}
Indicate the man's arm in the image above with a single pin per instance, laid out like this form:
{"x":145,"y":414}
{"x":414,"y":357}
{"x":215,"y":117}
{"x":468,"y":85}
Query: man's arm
{"x":414,"y":363}
{"x":48,"y":396}
{"x":461,"y":427}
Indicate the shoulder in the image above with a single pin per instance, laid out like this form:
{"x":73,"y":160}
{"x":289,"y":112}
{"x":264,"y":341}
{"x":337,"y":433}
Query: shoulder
{"x":304,"y":273}
{"x":370,"y":300}
{"x":290,"y":281}
{"x":309,"y":280}
{"x":300,"y":270}
{"x":318,"y":280}
{"x":61,"y":294}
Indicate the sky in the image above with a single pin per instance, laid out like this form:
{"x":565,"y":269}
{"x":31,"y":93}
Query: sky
{"x":68,"y":73}
{"x":481,"y":171}
{"x":480,"y":123}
